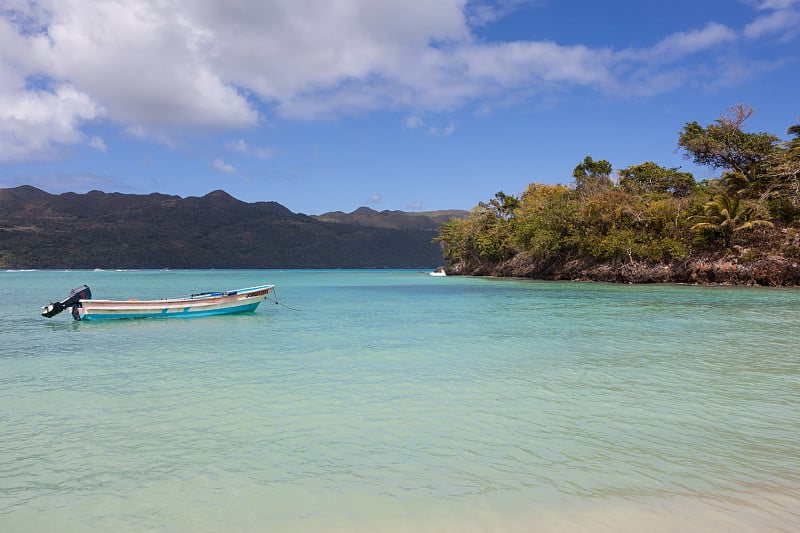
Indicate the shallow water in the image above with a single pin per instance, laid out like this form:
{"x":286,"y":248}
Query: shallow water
{"x":399,"y":401}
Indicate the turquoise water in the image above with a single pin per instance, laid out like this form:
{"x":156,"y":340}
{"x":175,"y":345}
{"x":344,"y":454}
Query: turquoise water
{"x":397,"y":401}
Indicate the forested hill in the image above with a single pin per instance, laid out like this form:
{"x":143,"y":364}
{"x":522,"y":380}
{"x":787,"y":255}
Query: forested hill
{"x":113,"y":230}
{"x":648,"y":223}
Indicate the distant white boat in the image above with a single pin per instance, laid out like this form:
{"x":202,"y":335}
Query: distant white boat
{"x":438,"y":273}
{"x":201,"y":304}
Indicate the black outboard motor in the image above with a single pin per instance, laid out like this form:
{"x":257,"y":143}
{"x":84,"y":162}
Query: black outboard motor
{"x":73,"y":300}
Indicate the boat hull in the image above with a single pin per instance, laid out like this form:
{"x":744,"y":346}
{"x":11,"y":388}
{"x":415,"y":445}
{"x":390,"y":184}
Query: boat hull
{"x":207,"y":304}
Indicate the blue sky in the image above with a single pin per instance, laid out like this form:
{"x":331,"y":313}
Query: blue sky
{"x":393,"y":104}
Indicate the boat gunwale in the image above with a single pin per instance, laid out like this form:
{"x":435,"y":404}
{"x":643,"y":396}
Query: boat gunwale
{"x":199,"y":298}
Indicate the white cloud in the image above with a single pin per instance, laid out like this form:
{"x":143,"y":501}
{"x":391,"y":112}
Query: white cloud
{"x":129,"y":62}
{"x":36,"y":123}
{"x":681,"y":44}
{"x":97,"y":143}
{"x":413,"y":122}
{"x":778,"y":4}
{"x":482,"y":12}
{"x":783,"y":22}
{"x":222,"y":166}
{"x":282,"y":50}
{"x":519,"y":64}
{"x":375,"y":198}
{"x":416,"y":205}
{"x":159,"y":69}
{"x":239,"y":145}
{"x":144,"y":61}
{"x":265,"y":153}
{"x":444,"y":132}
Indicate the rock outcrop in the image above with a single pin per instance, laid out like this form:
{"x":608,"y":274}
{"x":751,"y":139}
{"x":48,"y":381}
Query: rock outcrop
{"x":772,"y":271}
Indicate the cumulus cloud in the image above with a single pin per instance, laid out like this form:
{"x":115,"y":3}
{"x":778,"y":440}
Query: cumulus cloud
{"x":241,"y":146}
{"x":222,"y":166}
{"x":158,"y":69}
{"x":36,"y":123}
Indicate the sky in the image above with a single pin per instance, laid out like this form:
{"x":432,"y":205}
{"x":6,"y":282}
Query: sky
{"x":413,"y":105}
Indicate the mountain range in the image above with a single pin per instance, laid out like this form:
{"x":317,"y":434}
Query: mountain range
{"x":115,"y":230}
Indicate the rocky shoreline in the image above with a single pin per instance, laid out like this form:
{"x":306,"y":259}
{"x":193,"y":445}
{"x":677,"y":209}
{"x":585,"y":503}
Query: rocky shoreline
{"x":768,"y":271}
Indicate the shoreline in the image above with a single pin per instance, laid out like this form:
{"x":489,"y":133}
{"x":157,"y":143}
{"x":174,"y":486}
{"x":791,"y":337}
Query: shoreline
{"x":727,"y":270}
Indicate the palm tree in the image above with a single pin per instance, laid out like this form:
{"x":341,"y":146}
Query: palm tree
{"x":723,"y":214}
{"x":786,"y":167}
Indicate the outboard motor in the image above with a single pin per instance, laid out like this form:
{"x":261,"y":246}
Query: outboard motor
{"x":73,"y":300}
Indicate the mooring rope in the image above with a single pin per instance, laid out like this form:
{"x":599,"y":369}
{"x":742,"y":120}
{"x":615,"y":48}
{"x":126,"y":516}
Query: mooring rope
{"x":276,"y":302}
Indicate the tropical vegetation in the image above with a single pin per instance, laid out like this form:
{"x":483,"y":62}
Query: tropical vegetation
{"x":645,"y":214}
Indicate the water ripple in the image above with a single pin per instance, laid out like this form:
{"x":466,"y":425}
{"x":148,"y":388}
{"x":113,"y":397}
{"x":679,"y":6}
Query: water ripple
{"x":395,"y":399}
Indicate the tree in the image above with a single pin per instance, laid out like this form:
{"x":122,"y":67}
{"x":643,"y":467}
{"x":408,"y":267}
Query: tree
{"x":547,"y":220}
{"x":786,"y":167}
{"x":485,"y":235}
{"x":724,"y":145}
{"x":790,"y":166}
{"x":651,"y":178}
{"x":592,"y":177}
{"x":723,"y":214}
{"x":504,"y":205}
{"x":494,"y":240}
{"x":455,"y":237}
{"x":794,"y":130}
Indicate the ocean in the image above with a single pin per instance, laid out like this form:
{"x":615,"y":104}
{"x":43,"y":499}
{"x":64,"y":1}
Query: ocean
{"x":391,"y":400}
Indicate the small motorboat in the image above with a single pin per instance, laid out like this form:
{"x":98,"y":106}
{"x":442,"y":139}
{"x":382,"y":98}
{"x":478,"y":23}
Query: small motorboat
{"x":200,"y":304}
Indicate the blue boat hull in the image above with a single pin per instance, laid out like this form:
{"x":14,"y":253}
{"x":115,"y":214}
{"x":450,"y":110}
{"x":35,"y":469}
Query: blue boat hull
{"x":169,"y":313}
